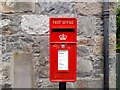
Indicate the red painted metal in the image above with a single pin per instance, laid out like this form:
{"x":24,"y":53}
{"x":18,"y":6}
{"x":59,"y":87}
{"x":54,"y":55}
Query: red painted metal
{"x":63,"y":31}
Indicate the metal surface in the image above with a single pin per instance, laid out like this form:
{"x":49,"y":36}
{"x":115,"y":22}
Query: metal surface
{"x":106,"y":43}
{"x":62,"y":85}
{"x":63,"y":31}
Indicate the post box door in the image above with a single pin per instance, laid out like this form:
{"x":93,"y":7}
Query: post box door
{"x":67,"y":71}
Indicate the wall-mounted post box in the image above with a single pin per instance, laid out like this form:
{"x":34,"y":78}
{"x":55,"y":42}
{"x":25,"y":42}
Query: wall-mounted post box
{"x":63,"y":32}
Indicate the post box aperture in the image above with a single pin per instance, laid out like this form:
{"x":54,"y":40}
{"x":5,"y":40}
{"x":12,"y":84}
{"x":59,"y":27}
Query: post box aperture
{"x":63,"y":30}
{"x":63,"y":49}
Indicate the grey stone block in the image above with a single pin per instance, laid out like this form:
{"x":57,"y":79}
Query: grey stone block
{"x":84,"y":67}
{"x":4,"y":22}
{"x":53,"y":8}
{"x":42,"y":62}
{"x":27,"y":38}
{"x":11,"y":27}
{"x":112,"y":8}
{"x":90,"y":83}
{"x":7,"y":57}
{"x":12,"y":6}
{"x":88,"y":26}
{"x":6,"y":74}
{"x":14,"y":19}
{"x":12,"y":46}
{"x":42,"y":71}
{"x":24,"y":7}
{"x":44,"y":46}
{"x":83,"y":51}
{"x":112,"y":24}
{"x":88,"y":8}
{"x":14,"y":38}
{"x":35,"y":24}
{"x":45,"y":83}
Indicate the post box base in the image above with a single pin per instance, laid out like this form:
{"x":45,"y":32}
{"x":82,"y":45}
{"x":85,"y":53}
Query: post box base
{"x":63,"y":80}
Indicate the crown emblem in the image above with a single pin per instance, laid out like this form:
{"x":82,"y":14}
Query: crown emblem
{"x":63,"y":37}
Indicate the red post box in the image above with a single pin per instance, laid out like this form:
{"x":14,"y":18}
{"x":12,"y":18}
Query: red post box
{"x":63,"y":32}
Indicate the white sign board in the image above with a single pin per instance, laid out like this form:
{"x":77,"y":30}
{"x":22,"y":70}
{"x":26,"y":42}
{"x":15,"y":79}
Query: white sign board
{"x":62,"y":59}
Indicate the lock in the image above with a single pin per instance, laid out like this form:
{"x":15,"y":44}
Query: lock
{"x":62,"y":45}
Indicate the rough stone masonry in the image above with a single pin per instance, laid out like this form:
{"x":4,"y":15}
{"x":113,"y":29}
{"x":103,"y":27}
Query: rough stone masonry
{"x":24,"y":28}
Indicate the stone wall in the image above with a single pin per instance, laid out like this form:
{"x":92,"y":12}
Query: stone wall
{"x":24,"y":28}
